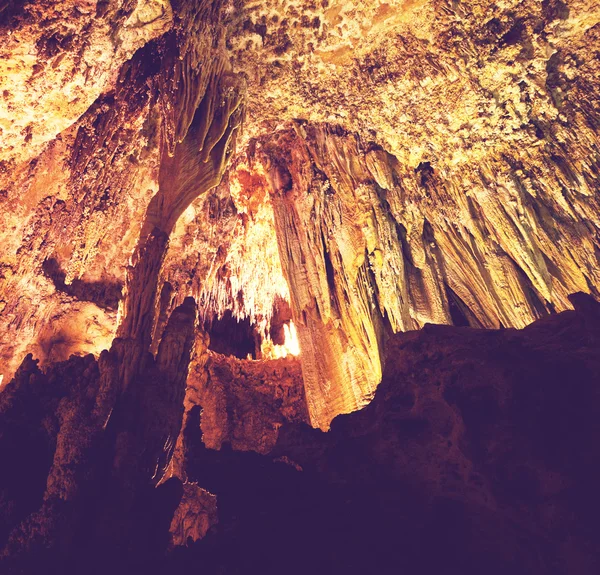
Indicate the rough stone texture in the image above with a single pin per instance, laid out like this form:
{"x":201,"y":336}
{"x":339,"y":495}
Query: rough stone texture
{"x":194,"y":516}
{"x":450,"y":83}
{"x":96,"y":439}
{"x":368,"y":246}
{"x":442,"y":158}
{"x":82,"y":202}
{"x":57,"y":57}
{"x":375,"y":166}
{"x":477,"y":455}
{"x":245,"y":402}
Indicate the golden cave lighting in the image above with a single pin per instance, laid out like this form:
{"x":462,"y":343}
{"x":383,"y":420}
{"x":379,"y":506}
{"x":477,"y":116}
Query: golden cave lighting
{"x":291,"y":345}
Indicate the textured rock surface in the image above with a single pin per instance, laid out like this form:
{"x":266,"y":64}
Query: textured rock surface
{"x":452,"y":83}
{"x":59,"y":56}
{"x":442,"y":167}
{"x":244,"y":402}
{"x":84,"y":454}
{"x":441,"y":160}
{"x":477,"y":455}
{"x":468,"y":156}
{"x":369,"y":245}
{"x":448,"y":170}
{"x":81,"y":203}
{"x":354,"y":170}
{"x":194,"y":516}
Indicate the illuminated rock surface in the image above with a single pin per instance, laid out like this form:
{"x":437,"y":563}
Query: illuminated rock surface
{"x":219,"y":217}
{"x":244,"y":403}
{"x":398,"y":163}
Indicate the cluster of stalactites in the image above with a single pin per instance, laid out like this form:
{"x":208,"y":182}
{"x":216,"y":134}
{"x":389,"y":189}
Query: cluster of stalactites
{"x":224,"y":253}
{"x":369,"y":245}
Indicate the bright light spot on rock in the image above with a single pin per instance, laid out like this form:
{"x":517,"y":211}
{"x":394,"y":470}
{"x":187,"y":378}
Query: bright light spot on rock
{"x":291,"y":339}
{"x":291,"y":345}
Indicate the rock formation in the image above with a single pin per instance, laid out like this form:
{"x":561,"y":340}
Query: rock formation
{"x":224,"y":220}
{"x":97,"y":451}
{"x":414,"y":161}
{"x":476,"y":455}
{"x":245,"y":402}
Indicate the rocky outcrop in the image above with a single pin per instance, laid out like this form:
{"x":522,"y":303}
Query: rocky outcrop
{"x":94,"y":451}
{"x":194,"y":516}
{"x":477,"y":455}
{"x":244,"y":402}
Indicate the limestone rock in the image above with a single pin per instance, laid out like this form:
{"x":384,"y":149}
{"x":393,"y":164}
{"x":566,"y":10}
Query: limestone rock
{"x":245,"y":402}
{"x":476,"y":455}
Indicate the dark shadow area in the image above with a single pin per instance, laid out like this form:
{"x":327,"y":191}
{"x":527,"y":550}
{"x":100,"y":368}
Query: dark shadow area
{"x":104,"y":294}
{"x":460,"y":313}
{"x":230,"y":336}
{"x":477,"y":455}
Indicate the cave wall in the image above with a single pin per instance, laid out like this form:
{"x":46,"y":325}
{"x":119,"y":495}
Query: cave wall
{"x":370,"y":246}
{"x":439,"y":164}
{"x":380,"y":165}
{"x":477,"y":455}
{"x":479,"y":445}
{"x":82,"y":202}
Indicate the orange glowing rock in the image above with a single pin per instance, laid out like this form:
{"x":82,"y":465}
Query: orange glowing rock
{"x":378,"y":166}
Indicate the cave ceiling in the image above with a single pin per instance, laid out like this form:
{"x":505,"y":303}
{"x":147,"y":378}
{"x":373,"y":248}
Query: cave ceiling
{"x":356,"y":168}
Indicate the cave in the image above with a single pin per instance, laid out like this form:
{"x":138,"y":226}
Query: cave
{"x":299,"y":287}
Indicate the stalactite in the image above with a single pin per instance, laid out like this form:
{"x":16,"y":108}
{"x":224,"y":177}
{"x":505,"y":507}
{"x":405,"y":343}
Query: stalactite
{"x":196,"y":166}
{"x":359,"y":256}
